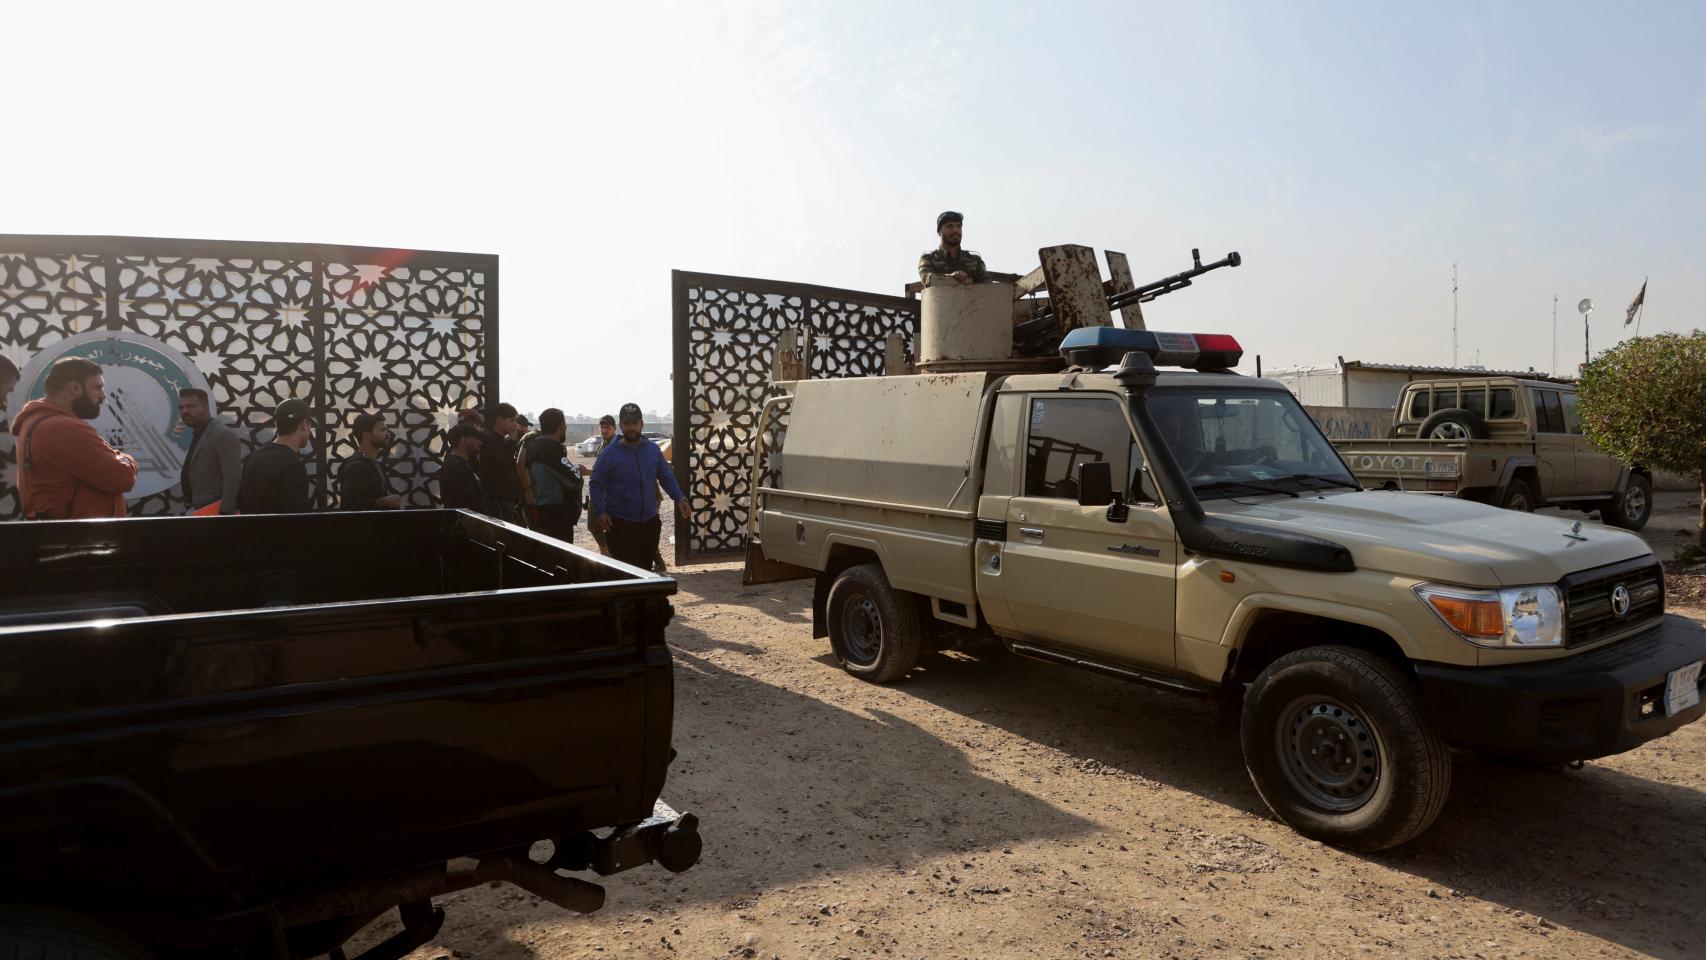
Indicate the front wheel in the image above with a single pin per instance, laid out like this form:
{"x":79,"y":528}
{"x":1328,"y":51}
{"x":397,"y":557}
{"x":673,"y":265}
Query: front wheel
{"x":874,"y":629}
{"x":1338,"y":745}
{"x":1631,"y":508}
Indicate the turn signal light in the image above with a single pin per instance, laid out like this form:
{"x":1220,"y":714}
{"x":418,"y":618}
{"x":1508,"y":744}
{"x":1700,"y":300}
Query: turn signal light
{"x":1472,"y":617}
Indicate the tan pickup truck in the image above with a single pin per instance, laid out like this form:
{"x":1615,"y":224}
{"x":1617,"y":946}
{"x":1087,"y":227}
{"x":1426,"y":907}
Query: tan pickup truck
{"x":1500,"y":440}
{"x":1195,"y":531}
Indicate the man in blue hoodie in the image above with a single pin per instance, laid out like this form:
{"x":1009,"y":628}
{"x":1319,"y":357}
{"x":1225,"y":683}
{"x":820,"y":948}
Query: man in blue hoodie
{"x":624,"y":491}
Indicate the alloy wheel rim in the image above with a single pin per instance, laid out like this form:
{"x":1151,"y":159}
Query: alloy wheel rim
{"x":1634,"y":503}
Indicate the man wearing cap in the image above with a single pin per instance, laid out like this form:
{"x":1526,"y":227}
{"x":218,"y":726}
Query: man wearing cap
{"x":624,"y":486}
{"x":948,"y":260}
{"x":275,"y":480}
{"x":606,"y":433}
{"x":459,"y":486}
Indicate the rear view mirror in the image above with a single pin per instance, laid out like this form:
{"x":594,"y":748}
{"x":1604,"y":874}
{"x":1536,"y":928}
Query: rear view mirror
{"x":1095,"y":484}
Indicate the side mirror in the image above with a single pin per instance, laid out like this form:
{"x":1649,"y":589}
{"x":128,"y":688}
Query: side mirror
{"x":1095,"y":484}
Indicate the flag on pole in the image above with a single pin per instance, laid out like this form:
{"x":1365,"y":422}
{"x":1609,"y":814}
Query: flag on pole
{"x":1635,"y":306}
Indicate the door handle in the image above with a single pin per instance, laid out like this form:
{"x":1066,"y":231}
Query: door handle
{"x":1034,"y":533}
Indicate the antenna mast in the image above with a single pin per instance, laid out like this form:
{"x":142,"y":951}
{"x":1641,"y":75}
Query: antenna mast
{"x":1554,"y":332}
{"x":1454,"y":315}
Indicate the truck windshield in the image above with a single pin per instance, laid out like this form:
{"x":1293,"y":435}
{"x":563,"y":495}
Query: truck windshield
{"x":1232,"y":443}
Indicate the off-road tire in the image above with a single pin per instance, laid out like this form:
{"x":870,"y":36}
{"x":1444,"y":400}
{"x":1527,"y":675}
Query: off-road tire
{"x":1464,"y":421}
{"x":874,"y":629}
{"x":1518,"y":496}
{"x":1411,"y":766}
{"x":42,"y":933}
{"x":1631,"y":508}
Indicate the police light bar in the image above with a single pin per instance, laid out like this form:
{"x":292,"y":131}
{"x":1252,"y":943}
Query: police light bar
{"x":1098,"y":347}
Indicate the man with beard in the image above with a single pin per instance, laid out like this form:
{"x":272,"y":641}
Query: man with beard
{"x":66,"y":471}
{"x":8,"y":380}
{"x":555,"y":481}
{"x":361,"y":479}
{"x":214,"y":465}
{"x":275,"y":480}
{"x":948,"y":261}
{"x":459,"y":486}
{"x":624,"y":491}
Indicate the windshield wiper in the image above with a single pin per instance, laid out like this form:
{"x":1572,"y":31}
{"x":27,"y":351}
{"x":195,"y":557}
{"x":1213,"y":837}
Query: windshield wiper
{"x":1249,"y":484}
{"x":1348,"y":485}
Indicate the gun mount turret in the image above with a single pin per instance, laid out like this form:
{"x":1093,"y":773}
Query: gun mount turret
{"x":1008,"y":327}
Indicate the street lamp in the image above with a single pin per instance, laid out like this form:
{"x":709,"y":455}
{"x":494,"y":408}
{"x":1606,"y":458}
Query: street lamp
{"x":1585,"y":308}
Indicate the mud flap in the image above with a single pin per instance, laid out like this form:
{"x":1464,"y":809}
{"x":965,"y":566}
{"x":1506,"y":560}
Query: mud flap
{"x":761,"y":569}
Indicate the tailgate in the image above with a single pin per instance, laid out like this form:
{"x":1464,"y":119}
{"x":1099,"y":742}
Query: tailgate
{"x":1424,"y":466}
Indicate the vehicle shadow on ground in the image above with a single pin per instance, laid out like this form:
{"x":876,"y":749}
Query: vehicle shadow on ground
{"x":837,"y":790}
{"x":1597,"y":850}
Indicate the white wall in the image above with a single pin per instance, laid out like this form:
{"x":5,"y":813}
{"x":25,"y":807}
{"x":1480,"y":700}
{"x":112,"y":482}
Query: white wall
{"x":1319,"y":387}
{"x":1375,"y":388}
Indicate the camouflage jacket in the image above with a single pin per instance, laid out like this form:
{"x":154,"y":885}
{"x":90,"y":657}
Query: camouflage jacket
{"x":941,"y":261}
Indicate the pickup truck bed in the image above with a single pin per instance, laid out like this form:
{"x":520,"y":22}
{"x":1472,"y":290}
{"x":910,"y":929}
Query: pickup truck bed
{"x":211,"y":726}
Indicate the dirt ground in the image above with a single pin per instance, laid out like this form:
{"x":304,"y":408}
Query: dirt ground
{"x":995,"y":807}
{"x":1673,"y":525}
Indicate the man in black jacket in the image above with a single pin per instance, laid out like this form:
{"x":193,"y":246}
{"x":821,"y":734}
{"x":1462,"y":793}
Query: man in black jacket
{"x":459,"y":486}
{"x":275,"y":480}
{"x":556,"y":481}
{"x":361,"y":479}
{"x":497,"y":464}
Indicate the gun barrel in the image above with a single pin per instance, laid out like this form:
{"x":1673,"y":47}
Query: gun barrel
{"x":1178,"y":281}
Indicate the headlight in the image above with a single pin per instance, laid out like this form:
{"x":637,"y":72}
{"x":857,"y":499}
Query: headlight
{"x":1513,"y":617}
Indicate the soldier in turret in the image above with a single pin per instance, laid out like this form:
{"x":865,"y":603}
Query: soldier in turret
{"x":948,"y":260}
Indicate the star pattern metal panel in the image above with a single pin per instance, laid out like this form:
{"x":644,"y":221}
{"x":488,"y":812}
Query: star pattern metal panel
{"x":725,"y":335}
{"x":44,"y":298}
{"x":404,"y":341}
{"x":248,"y":326}
{"x":410,"y":334}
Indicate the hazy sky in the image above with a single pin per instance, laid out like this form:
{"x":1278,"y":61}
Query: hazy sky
{"x":1350,"y":152}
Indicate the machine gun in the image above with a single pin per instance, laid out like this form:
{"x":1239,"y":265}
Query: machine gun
{"x":1079,"y":298}
{"x":1178,"y":281}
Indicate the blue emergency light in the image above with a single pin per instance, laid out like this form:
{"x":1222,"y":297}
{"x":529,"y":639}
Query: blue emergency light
{"x":1098,"y":347}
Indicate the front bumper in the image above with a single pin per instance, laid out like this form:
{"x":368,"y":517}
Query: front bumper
{"x":1580,"y":707}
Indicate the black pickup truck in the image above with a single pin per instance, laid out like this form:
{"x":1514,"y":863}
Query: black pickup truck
{"x":252,"y":736}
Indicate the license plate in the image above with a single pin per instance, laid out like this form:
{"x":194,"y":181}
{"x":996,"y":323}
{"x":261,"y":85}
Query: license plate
{"x":1432,"y":468}
{"x":1682,"y":689}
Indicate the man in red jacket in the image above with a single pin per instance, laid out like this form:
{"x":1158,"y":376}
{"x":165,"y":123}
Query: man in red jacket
{"x":65,"y":470}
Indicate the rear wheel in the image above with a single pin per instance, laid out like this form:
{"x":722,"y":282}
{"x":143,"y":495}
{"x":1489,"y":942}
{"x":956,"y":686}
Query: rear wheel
{"x":873,"y":628}
{"x":1518,"y":496}
{"x":1337,"y":744}
{"x":41,"y":933}
{"x":1631,"y":508}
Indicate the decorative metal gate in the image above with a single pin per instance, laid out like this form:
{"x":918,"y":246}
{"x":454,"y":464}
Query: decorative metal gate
{"x":407,"y":333}
{"x":725,"y":336}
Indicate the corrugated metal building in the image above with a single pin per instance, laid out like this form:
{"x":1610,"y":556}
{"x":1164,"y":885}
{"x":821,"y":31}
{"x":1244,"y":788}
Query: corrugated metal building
{"x":1355,"y":383}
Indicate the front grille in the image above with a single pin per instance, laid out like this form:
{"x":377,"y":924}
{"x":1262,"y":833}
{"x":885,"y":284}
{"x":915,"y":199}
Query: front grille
{"x":1589,"y":614}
